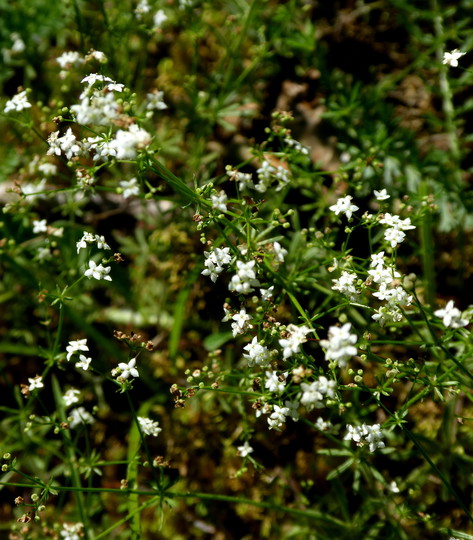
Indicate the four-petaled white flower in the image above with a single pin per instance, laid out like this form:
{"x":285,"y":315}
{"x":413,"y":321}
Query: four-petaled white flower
{"x":128,"y":369}
{"x":451,"y":58}
{"x":98,"y":271}
{"x":344,"y":206}
{"x":36,"y":382}
{"x":244,"y":450}
{"x":40,"y":226}
{"x":130,"y":187}
{"x":17,"y":103}
{"x":381,"y":195}
{"x":83,"y":362}
{"x":76,"y":346}
{"x":451,"y":316}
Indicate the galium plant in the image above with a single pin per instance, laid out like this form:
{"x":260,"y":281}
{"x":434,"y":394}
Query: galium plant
{"x":250,"y":334}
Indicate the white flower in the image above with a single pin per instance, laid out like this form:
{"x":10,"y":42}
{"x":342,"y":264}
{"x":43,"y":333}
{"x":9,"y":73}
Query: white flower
{"x":275,"y":382}
{"x":314,"y":392}
{"x":219,"y":201}
{"x":277,"y":419}
{"x":141,"y":8}
{"x":381,"y":195}
{"x":98,"y":271}
{"x":148,"y":426}
{"x":98,"y":55}
{"x":36,"y":382}
{"x":130,"y":187}
{"x":115,"y":87}
{"x":48,"y":169}
{"x":344,"y":206}
{"x":292,"y":343}
{"x":279,"y":252}
{"x":340,"y":344}
{"x":69,"y":59}
{"x":159,"y":18}
{"x":346,"y":285}
{"x":83,"y":362}
{"x":155,"y":101}
{"x":241,"y":323}
{"x":17,"y":103}
{"x":76,"y":346}
{"x":94,"y":77}
{"x":365,"y":434}
{"x":72,"y":531}
{"x":257,"y":354}
{"x":128,"y":369}
{"x":397,"y":222}
{"x":451,"y":316}
{"x":394,"y":236}
{"x":451,"y":58}
{"x":245,"y":278}
{"x":40,"y":226}
{"x":79,"y":416}
{"x":267,"y":294}
{"x":101,"y":244}
{"x":322,"y":425}
{"x":71,"y":397}
{"x":244,"y":450}
{"x":87,"y":238}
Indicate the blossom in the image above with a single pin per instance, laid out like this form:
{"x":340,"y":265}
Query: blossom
{"x":256,"y":353}
{"x":344,"y":206}
{"x":155,"y":101}
{"x":71,"y":397}
{"x":451,"y":58}
{"x":314,"y":393}
{"x":72,"y":531}
{"x":241,"y":323}
{"x":159,"y":18}
{"x":87,"y":238}
{"x":291,"y":344}
{"x":346,"y":285}
{"x":340,"y":344}
{"x":219,"y":201}
{"x":275,"y":382}
{"x":130,"y":187}
{"x":76,"y":346}
{"x":381,"y":195}
{"x":245,"y":278}
{"x":245,"y":450}
{"x":17,"y":103}
{"x":277,"y":418}
{"x":83,"y":362}
{"x":267,"y":294}
{"x":98,"y":271}
{"x":69,"y":59}
{"x":371,"y":435}
{"x":79,"y":416}
{"x":148,"y":426}
{"x":40,"y":226}
{"x":36,"y":382}
{"x":279,"y":252}
{"x":94,"y":77}
{"x":451,"y":316}
{"x":214,"y":261}
{"x":128,"y":369}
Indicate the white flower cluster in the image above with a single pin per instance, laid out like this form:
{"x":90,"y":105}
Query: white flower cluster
{"x":149,"y":427}
{"x":274,"y":382}
{"x":297,"y":146}
{"x":215,"y":261}
{"x":257,"y":354}
{"x":394,"y":295}
{"x":277,"y":418}
{"x":313,"y":393}
{"x":125,"y":145}
{"x":67,"y":144}
{"x":366,"y":434}
{"x":344,"y":206}
{"x":17,"y":103}
{"x":292,"y":343}
{"x":346,"y":285}
{"x":340,"y":345}
{"x":76,"y":347}
{"x":245,"y":180}
{"x":245,"y":278}
{"x":267,"y":174}
{"x":395,"y":233}
{"x":452,"y":316}
{"x":88,"y":238}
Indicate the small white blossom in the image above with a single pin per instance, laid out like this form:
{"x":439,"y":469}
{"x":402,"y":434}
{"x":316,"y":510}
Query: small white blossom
{"x":149,"y":427}
{"x":245,"y":450}
{"x":277,"y":418}
{"x":87,"y":238}
{"x":365,"y":434}
{"x":154,"y":101}
{"x":279,"y":252}
{"x":35,"y":383}
{"x":257,"y":354}
{"x":241,"y":322}
{"x":40,"y":226}
{"x":452,"y":316}
{"x":17,"y":103}
{"x":274,"y":382}
{"x":381,"y":195}
{"x":344,"y":206}
{"x":322,"y":424}
{"x":451,"y":58}
{"x":72,"y":531}
{"x":267,"y":294}
{"x":245,"y":278}
{"x":128,"y":369}
{"x":130,"y":187}
{"x":159,"y":18}
{"x":346,"y":285}
{"x":340,"y":344}
{"x":219,"y":201}
{"x":76,"y":346}
{"x":71,"y":397}
{"x":98,"y":271}
{"x":79,"y":416}
{"x":69,"y":59}
{"x":95,"y":77}
{"x":292,"y":343}
{"x":83,"y":362}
